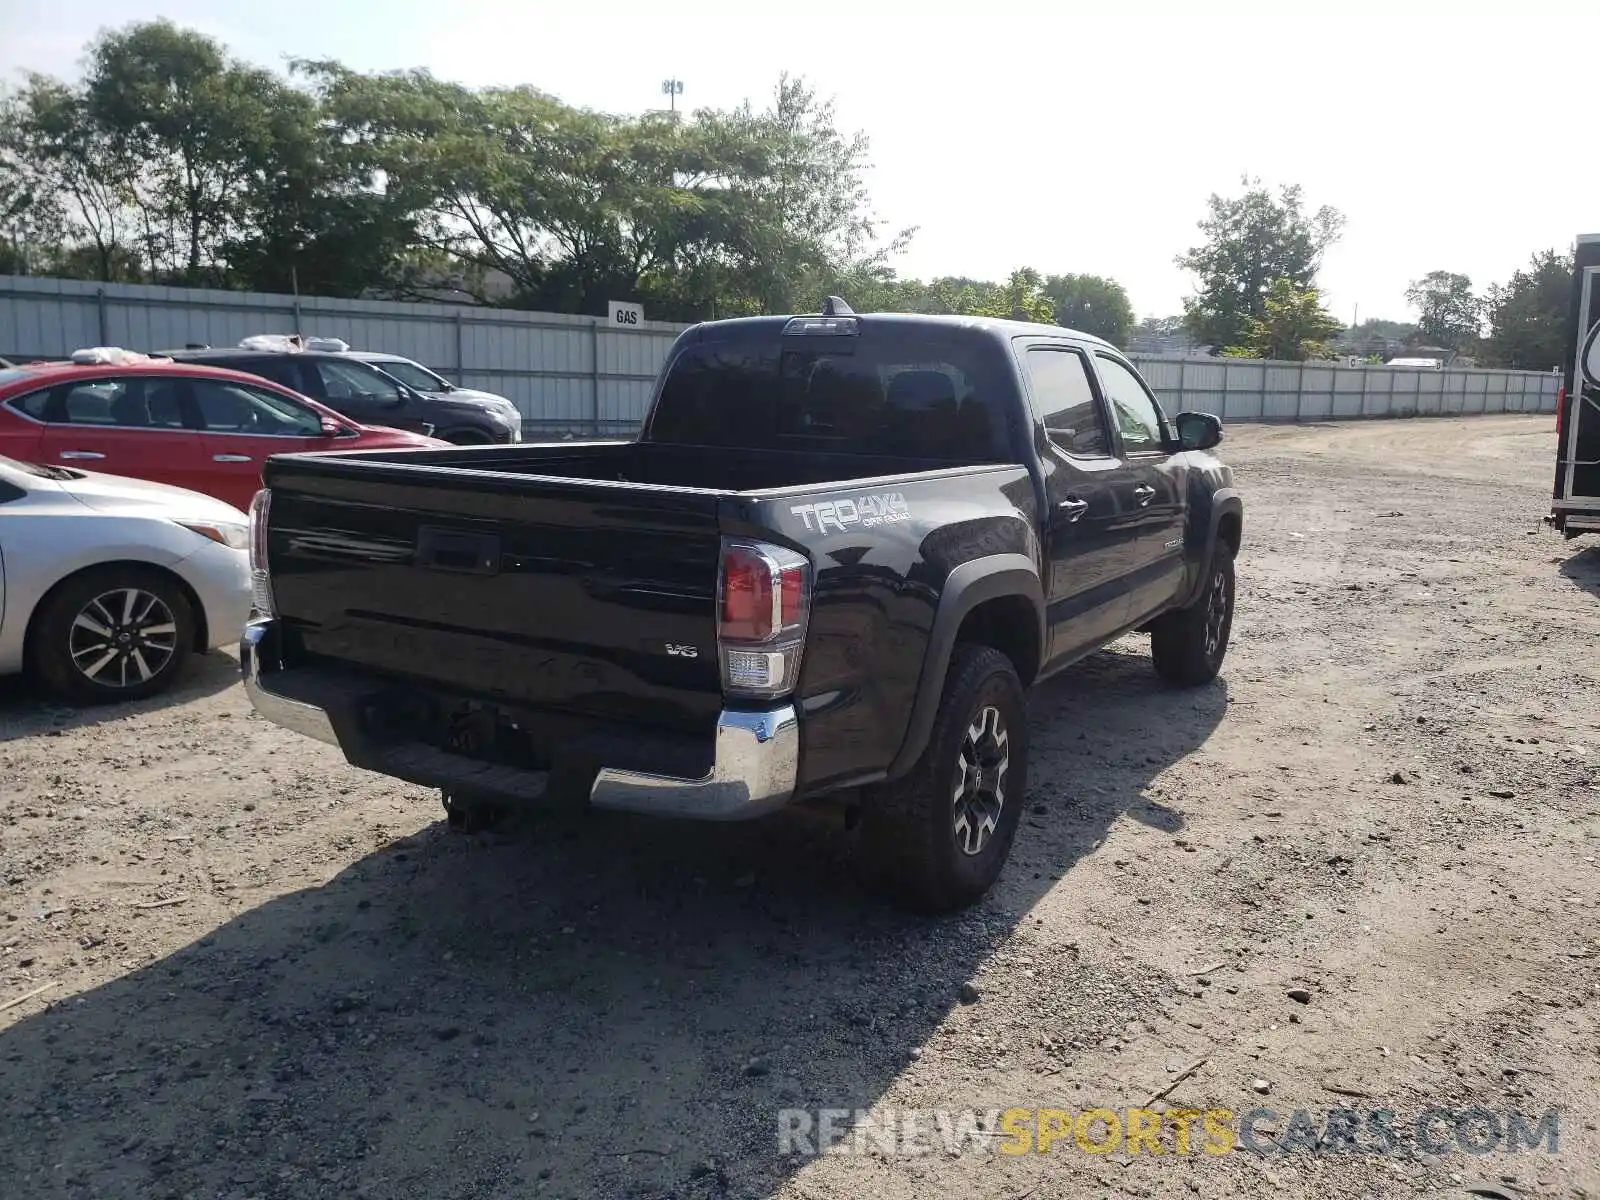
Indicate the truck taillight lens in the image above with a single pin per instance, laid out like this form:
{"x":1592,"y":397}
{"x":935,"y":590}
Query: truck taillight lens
{"x":260,"y":577}
{"x":763,"y":601}
{"x":1561,"y":410}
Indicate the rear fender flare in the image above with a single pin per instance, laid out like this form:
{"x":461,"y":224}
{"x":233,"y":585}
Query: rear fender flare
{"x":992,"y":577}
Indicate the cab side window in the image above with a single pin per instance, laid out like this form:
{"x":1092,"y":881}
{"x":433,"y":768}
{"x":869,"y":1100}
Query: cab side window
{"x":1066,"y":401}
{"x":1132,"y":407}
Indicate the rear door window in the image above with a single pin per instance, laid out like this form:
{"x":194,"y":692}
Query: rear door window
{"x":1066,"y":402}
{"x":890,"y":396}
{"x":145,"y":402}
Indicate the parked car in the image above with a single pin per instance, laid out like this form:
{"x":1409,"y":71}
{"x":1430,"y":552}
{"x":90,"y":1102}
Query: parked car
{"x":430,"y":383}
{"x":361,"y":391}
{"x":837,"y":553}
{"x":188,"y":425}
{"x":107,"y":584}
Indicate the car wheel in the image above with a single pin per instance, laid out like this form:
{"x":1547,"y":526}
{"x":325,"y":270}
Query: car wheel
{"x":110,"y":634}
{"x":1188,"y":645}
{"x":938,"y":838}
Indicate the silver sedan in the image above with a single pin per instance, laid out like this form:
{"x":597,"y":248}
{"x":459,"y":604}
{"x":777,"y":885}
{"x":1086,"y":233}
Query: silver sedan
{"x":107,"y":584}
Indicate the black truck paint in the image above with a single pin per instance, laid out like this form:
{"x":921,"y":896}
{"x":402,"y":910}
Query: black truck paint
{"x":1575,"y":505}
{"x":562,"y":600}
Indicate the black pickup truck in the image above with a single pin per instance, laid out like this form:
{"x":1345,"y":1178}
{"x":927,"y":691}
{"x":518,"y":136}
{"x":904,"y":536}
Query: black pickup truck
{"x":837,"y":553}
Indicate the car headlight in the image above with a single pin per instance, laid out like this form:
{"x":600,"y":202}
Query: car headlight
{"x":224,"y":533}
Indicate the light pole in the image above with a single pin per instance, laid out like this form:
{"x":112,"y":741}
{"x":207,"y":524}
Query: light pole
{"x":672,"y":89}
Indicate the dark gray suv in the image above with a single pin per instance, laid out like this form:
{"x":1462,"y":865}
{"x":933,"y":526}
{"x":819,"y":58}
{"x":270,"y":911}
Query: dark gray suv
{"x":364,"y":393}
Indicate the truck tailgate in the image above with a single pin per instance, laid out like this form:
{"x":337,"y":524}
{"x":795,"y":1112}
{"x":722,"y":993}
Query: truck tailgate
{"x":594,"y":598}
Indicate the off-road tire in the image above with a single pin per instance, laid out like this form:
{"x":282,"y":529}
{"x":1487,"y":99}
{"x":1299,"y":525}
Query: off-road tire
{"x":1188,"y":645}
{"x":147,"y":647}
{"x":911,"y":848}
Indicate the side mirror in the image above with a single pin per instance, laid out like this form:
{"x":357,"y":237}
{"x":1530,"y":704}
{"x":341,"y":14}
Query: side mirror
{"x":331,"y":428}
{"x":1198,"y":431}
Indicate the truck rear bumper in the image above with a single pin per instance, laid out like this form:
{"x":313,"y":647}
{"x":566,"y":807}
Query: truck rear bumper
{"x":757,"y":758}
{"x":754,"y":768}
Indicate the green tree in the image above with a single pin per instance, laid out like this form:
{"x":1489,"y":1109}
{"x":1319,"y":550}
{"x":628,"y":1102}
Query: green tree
{"x":173,"y":161}
{"x":1251,"y":241}
{"x":56,"y":152}
{"x":312,"y":216}
{"x":1448,"y":314}
{"x":196,"y":123}
{"x":32,"y":222}
{"x":724,"y":212}
{"x":1092,"y":304}
{"x":816,"y":223}
{"x":1292,"y":328}
{"x":1528,"y":315}
{"x":1021,"y":297}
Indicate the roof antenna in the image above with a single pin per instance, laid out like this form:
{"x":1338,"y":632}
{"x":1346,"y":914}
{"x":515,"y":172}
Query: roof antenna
{"x":835,"y":307}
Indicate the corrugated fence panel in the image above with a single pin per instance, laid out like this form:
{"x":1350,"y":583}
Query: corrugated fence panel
{"x":1244,"y":390}
{"x":1282,"y":399}
{"x":577,"y":375}
{"x":1349,"y":392}
{"x":1316,"y":392}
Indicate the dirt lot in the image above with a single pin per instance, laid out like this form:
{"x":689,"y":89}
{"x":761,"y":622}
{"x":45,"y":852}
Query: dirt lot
{"x":267,"y":974}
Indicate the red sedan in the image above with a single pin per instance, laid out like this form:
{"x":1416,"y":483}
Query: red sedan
{"x":196,"y":427}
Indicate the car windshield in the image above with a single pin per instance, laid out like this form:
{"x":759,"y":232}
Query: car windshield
{"x":412,"y":375}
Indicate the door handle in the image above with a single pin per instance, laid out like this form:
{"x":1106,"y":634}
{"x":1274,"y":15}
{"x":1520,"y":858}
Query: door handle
{"x":230,"y":458}
{"x":75,"y":454}
{"x":1145,"y":494}
{"x":1073,"y":507}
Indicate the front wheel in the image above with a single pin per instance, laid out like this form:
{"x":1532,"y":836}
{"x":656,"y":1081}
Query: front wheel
{"x":938,"y":838}
{"x":1188,"y":645}
{"x":110,"y":634}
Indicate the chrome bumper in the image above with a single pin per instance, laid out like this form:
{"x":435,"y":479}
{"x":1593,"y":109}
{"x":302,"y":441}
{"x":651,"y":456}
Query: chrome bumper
{"x":301,"y":716}
{"x":753,"y":772}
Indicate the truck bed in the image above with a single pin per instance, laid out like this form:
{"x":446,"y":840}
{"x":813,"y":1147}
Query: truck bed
{"x":572,"y":578}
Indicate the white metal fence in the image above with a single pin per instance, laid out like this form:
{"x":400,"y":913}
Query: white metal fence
{"x":579,"y":375}
{"x":1245,"y":389}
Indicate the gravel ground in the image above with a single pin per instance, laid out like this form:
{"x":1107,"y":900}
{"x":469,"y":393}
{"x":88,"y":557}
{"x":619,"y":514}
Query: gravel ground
{"x":232,"y":966}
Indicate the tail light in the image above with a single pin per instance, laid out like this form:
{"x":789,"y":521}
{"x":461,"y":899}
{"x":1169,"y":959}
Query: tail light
{"x":1561,"y":410}
{"x":763,"y":602}
{"x":260,"y":577}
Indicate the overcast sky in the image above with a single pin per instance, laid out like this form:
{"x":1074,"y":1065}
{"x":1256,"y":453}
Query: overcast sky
{"x":1058,"y":134}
